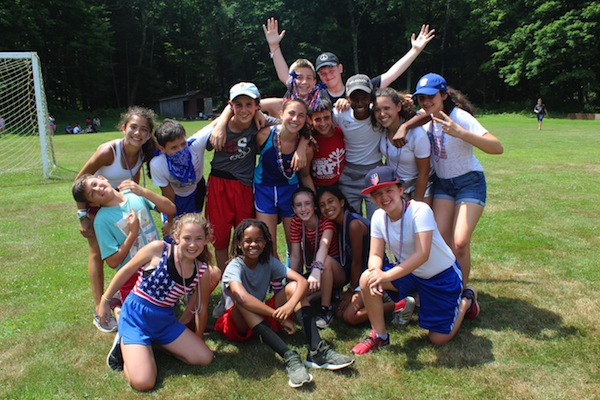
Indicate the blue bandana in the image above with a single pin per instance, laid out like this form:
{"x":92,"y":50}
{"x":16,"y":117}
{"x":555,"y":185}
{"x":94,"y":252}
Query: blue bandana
{"x":181,"y":166}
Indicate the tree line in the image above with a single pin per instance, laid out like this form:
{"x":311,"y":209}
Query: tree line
{"x":113,"y":53}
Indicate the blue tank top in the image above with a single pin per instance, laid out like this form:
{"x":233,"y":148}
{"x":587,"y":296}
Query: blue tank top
{"x":267,"y":171}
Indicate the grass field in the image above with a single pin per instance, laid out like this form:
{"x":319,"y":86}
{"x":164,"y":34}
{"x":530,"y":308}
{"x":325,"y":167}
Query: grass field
{"x":535,"y":264}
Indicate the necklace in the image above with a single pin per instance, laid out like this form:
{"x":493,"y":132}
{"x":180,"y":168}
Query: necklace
{"x":198,"y":307}
{"x":280,"y":162}
{"x":387,"y":153}
{"x":342,"y":240}
{"x":124,"y":155}
{"x":302,"y":242}
{"x":438,"y":145}
{"x":388,"y":249}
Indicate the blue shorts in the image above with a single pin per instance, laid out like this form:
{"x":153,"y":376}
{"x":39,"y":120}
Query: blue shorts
{"x":192,"y":203}
{"x":142,"y":322}
{"x":467,"y":188}
{"x":439,"y":295}
{"x":274,"y":199}
{"x":540,"y":116}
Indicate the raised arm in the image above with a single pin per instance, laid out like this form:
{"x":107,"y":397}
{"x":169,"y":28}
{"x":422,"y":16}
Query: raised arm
{"x":273,"y":37}
{"x":418,"y":44}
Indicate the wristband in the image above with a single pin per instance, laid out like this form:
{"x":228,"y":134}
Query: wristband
{"x":271,"y":53}
{"x":105,"y":299}
{"x":81,"y":214}
{"x":318,"y":265}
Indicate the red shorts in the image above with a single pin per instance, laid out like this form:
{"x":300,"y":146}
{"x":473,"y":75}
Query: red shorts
{"x":226,"y":325}
{"x":228,"y":202}
{"x":128,"y":286}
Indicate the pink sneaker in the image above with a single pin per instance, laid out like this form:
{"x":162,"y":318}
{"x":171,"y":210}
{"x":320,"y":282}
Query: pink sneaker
{"x":473,"y":311}
{"x":371,"y":343}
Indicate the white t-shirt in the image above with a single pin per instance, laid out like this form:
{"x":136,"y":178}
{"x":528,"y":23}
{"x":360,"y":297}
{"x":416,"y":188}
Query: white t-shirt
{"x":452,"y":157}
{"x":404,"y":159}
{"x":161,"y":176}
{"x":361,"y":139}
{"x":417,"y":218}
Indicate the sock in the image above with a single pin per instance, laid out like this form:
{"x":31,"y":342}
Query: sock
{"x":383,"y":337}
{"x":270,"y":338}
{"x":307,"y":320}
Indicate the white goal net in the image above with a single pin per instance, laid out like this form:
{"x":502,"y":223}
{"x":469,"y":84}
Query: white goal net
{"x":25,"y":132}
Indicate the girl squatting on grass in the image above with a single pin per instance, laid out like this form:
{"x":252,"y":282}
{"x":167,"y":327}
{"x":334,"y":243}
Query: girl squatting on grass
{"x":423,"y":264}
{"x":118,"y":160}
{"x":353,"y":237}
{"x":460,"y":188}
{"x":164,"y":273}
{"x":315,"y":246}
{"x":246,"y":281}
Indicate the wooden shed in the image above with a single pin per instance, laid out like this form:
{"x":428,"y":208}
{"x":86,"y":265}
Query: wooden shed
{"x":187,"y":106}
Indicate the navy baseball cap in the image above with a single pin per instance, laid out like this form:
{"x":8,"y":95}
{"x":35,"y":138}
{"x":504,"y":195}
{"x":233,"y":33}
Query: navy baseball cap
{"x":380,"y":177}
{"x":430,"y":84}
{"x":326,"y":60}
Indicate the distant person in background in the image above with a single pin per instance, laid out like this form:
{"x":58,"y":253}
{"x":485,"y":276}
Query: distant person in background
{"x":2,"y":134}
{"x":77,"y":129}
{"x":541,"y":111}
{"x":96,"y":124}
{"x":51,"y":122}
{"x":68,"y":129}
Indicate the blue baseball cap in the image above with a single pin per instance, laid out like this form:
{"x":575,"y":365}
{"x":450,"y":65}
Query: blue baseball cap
{"x":430,"y":84}
{"x":244,"y":89}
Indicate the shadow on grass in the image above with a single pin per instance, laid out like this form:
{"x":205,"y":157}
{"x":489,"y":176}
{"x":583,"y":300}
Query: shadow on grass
{"x":502,"y":313}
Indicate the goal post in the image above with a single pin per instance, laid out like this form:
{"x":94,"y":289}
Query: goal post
{"x":25,"y":133}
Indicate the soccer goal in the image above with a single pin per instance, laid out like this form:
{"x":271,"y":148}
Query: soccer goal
{"x":25,"y":133}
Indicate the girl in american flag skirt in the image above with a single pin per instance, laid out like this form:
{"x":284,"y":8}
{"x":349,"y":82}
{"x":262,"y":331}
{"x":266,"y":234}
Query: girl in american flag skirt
{"x":165,"y":274}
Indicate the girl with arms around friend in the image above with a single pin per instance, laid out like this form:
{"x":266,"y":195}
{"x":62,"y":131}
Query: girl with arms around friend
{"x":275,"y":180}
{"x":164,"y":273}
{"x":460,"y":186}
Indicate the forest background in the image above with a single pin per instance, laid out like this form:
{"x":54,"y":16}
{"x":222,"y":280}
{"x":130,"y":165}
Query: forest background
{"x":106,"y":54}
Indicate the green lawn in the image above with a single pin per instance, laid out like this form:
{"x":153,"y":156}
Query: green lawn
{"x":535,"y":265}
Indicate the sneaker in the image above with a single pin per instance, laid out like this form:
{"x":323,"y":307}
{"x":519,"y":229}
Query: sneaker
{"x":296,"y":370}
{"x":403,"y":311}
{"x":108,"y":328}
{"x":473,"y":311}
{"x":114,"y":360}
{"x":371,"y":343}
{"x":323,"y":320}
{"x":325,"y":357}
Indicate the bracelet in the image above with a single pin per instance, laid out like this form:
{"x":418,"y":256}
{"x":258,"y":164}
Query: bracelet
{"x":105,"y":299}
{"x":272,"y":52}
{"x":318,"y":265}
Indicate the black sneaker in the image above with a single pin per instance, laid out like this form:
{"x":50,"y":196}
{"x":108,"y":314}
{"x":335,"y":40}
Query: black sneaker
{"x":325,"y":357}
{"x":114,"y":360}
{"x":295,"y":369}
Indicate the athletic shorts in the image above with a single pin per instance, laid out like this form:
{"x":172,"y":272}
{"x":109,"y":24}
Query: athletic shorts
{"x":468,"y":188}
{"x":439,"y":295}
{"x":274,"y":199}
{"x":226,"y":325}
{"x":411,"y":184}
{"x":142,"y":322}
{"x":192,"y":203}
{"x":228,"y":202}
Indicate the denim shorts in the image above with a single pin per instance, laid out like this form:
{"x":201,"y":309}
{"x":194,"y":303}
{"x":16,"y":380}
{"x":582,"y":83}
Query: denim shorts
{"x":467,"y":188}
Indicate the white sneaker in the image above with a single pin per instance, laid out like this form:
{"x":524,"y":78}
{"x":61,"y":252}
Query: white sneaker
{"x":108,"y":328}
{"x":402,"y":315}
